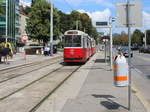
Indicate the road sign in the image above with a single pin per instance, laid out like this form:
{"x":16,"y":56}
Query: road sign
{"x":104,"y":23}
{"x":135,"y":14}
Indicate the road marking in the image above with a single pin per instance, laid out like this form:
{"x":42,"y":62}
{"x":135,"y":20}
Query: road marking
{"x":145,"y":103}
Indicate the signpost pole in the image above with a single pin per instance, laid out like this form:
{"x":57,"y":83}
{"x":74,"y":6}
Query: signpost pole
{"x":129,"y":14}
{"x":105,"y":51}
{"x":111,"y":43}
{"x":129,"y":47}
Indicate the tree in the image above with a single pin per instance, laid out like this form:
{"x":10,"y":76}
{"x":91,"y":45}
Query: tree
{"x":137,"y":37}
{"x":120,"y":39}
{"x":38,"y":24}
{"x":69,"y":22}
{"x":27,"y":10}
{"x":1,"y":9}
{"x":35,"y":1}
{"x":148,"y":36}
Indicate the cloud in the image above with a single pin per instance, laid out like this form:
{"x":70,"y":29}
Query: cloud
{"x":98,"y":15}
{"x":25,"y":2}
{"x":146,"y":19}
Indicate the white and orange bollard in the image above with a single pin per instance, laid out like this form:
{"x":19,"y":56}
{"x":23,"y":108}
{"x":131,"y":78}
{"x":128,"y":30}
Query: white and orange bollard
{"x":120,"y":71}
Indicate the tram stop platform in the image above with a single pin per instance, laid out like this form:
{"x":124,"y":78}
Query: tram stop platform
{"x":98,"y":93}
{"x":20,"y":59}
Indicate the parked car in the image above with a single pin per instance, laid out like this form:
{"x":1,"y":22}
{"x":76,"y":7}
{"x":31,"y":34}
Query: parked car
{"x":148,"y":50}
{"x":143,"y":49}
{"x":125,"y":51}
{"x":135,"y":47}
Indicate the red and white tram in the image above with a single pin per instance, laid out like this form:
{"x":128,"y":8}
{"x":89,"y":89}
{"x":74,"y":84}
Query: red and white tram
{"x":93,"y":46}
{"x":77,"y":46}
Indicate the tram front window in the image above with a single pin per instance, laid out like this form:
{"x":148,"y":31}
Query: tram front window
{"x":73,"y":41}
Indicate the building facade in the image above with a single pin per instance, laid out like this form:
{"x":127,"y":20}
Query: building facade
{"x":22,"y":31}
{"x":9,"y":21}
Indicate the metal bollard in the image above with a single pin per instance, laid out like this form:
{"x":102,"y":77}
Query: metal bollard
{"x":120,"y":71}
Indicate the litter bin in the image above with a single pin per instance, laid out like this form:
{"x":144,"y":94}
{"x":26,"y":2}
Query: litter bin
{"x":120,"y":71}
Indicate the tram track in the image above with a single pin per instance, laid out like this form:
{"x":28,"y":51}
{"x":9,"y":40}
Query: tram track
{"x":14,"y":68}
{"x":54,"y":79}
{"x":51,"y":92}
{"x":28,"y":84}
{"x":15,"y":75}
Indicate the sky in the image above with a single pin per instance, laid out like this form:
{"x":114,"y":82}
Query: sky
{"x":98,"y":10}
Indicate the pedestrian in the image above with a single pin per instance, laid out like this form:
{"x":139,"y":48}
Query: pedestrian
{"x":6,"y":53}
{"x":46,"y":50}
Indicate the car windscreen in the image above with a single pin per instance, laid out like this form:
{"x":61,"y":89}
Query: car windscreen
{"x":72,"y":40}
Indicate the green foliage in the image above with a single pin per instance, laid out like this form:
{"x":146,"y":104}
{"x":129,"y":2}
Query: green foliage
{"x":69,"y":22}
{"x":27,"y":10}
{"x":137,"y":37}
{"x":38,"y":24}
{"x":120,"y":39}
{"x":148,"y":36}
{"x":1,"y":9}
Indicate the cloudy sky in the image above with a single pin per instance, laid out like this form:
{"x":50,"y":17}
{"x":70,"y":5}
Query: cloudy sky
{"x":98,"y":10}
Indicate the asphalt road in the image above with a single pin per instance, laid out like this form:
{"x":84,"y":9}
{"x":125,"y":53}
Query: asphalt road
{"x":141,"y":78}
{"x":141,"y":61}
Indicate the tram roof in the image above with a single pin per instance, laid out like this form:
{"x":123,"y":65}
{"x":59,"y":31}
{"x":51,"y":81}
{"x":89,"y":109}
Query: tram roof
{"x":75,"y":32}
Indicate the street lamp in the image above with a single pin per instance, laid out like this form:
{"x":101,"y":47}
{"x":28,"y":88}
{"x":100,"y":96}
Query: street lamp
{"x":111,"y":41}
{"x":6,"y":30}
{"x":51,"y":29}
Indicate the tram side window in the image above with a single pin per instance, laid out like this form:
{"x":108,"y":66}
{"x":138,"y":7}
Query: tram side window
{"x":88,"y":43}
{"x":72,"y":41}
{"x":85,"y":42}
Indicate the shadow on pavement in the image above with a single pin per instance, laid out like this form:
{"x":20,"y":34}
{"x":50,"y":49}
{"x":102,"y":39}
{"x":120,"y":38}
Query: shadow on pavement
{"x":109,"y":104}
{"x":100,"y":61}
{"x":96,"y":68}
{"x":103,"y":96}
{"x":71,"y":64}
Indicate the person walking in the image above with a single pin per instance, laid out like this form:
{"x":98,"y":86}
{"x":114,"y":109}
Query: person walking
{"x":6,"y":53}
{"x":46,"y":50}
